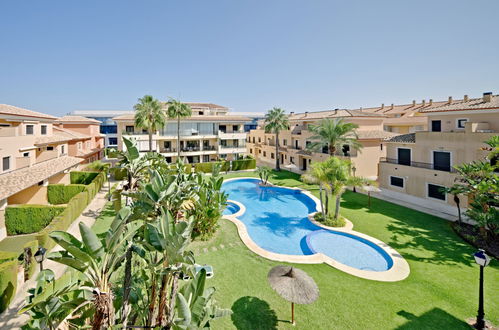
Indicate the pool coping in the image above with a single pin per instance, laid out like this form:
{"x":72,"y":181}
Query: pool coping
{"x":399,"y":270}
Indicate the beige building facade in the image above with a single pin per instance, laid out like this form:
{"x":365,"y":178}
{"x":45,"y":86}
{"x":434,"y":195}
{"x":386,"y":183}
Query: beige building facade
{"x":418,"y":165}
{"x":210,"y":134}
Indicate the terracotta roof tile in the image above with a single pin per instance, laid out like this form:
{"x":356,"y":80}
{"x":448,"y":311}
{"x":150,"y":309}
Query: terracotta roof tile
{"x":76,"y":119}
{"x":221,"y":118}
{"x":403,"y":138}
{"x":6,"y":109}
{"x":461,"y":105}
{"x":54,"y":138}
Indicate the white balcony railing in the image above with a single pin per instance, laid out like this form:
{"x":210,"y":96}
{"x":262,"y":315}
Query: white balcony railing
{"x":232,"y":135}
{"x":8,"y":131}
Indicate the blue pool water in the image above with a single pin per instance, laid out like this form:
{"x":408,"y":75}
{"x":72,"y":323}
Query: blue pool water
{"x":276,"y":220}
{"x":231,"y":209}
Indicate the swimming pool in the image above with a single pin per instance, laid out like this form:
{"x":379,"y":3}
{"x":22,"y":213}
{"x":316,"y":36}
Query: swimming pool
{"x":276,"y":220}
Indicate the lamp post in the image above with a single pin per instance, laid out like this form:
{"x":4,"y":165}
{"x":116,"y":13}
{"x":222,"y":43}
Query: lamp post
{"x":40,"y":256}
{"x":108,"y":185}
{"x":353,"y":170}
{"x":482,"y":260}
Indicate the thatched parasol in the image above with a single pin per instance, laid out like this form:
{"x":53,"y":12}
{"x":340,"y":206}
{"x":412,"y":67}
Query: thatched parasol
{"x":294,"y":285}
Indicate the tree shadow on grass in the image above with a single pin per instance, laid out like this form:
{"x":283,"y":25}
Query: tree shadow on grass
{"x":250,"y":313}
{"x":435,"y":318}
{"x":416,"y":235}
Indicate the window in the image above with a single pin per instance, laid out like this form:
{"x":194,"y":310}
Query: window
{"x":129,"y":129}
{"x":396,"y":181}
{"x":436,"y":191}
{"x":404,"y":156}
{"x":381,"y":146}
{"x":44,"y":129}
{"x":441,"y":161}
{"x":259,"y":140}
{"x":62,"y":150}
{"x":307,"y":144}
{"x":206,"y":158}
{"x":253,"y":139}
{"x":50,"y":148}
{"x":29,"y":129}
{"x":259,"y":151}
{"x":113,"y":141}
{"x":40,"y":183}
{"x":26,"y":154}
{"x":284,"y":142}
{"x":272,"y":155}
{"x":5,"y":163}
{"x":201,"y":113}
{"x":79,"y":145}
{"x":264,"y":154}
{"x":291,"y":160}
{"x":88,"y":144}
{"x":235,"y":128}
{"x":251,"y":151}
{"x":436,"y":125}
{"x":346,"y":150}
{"x":296,"y":144}
{"x":461,"y":123}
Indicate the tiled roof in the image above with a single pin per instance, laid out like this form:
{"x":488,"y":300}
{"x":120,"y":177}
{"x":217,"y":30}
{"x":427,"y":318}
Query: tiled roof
{"x":54,"y":138}
{"x":339,"y":113}
{"x":374,"y":134}
{"x":403,"y":138}
{"x":221,"y":118}
{"x":6,"y":109}
{"x":205,"y":105}
{"x":16,"y":181}
{"x":77,"y":119}
{"x":406,"y":120}
{"x":461,"y":105}
{"x":83,"y":153}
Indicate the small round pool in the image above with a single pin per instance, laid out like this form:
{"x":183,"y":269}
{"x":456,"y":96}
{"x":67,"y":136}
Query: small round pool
{"x":231,"y":209}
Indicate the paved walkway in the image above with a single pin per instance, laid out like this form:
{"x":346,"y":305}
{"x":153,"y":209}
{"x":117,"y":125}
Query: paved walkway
{"x":9,"y":319}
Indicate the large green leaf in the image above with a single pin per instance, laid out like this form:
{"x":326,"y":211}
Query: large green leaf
{"x":70,"y":244}
{"x":184,"y":312}
{"x":91,"y":241}
{"x":131,"y":148}
{"x":65,"y":258}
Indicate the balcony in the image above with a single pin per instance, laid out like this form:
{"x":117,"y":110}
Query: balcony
{"x":8,"y":131}
{"x":232,"y":149}
{"x":232,"y":135}
{"x":429,"y":166}
{"x":22,"y":162}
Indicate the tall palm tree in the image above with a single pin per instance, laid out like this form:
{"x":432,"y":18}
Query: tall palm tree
{"x":149,"y":115}
{"x":275,"y":121}
{"x":177,"y":109}
{"x":317,"y":175}
{"x":333,"y":134}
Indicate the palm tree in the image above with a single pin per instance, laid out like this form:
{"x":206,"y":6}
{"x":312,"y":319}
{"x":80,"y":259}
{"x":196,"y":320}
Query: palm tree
{"x":177,"y":109}
{"x":333,"y":134}
{"x":149,"y":115}
{"x":275,"y":121}
{"x":338,"y":177}
{"x":317,"y":175}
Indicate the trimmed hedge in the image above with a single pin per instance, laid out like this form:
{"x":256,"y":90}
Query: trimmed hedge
{"x":33,"y":246}
{"x":243,"y":164}
{"x":8,"y":283}
{"x":205,"y":167}
{"x":30,"y":218}
{"x":82,"y":177}
{"x":61,"y":194}
{"x":8,"y":256}
{"x":119,"y":173}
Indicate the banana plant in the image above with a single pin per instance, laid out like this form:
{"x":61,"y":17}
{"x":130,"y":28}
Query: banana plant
{"x":97,"y":259}
{"x":196,"y":307}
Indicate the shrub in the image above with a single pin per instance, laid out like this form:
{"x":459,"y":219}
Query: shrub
{"x":78,"y":177}
{"x":119,"y":173}
{"x":30,"y":264}
{"x":61,"y":194}
{"x":111,"y":153}
{"x":27,"y":219}
{"x":225,"y":166}
{"x":330,"y":221}
{"x":97,"y":166}
{"x":243,"y":164}
{"x":8,"y":283}
{"x":8,"y":256}
{"x":206,"y":167}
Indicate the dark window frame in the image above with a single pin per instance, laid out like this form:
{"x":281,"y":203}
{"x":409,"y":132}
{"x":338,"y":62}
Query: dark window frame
{"x":437,"y":194}
{"x":392,"y":183}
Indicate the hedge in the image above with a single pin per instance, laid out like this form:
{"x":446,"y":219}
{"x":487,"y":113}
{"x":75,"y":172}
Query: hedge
{"x":206,"y":167}
{"x":119,"y":173}
{"x":8,"y":283}
{"x":61,"y":194}
{"x":243,"y":164}
{"x":8,"y":256}
{"x":33,"y":246}
{"x":82,"y":177}
{"x":29,"y":218}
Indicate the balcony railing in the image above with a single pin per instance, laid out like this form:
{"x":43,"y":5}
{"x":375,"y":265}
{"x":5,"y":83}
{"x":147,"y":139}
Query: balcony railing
{"x":232,"y":147}
{"x":8,"y":131}
{"x":429,"y":166}
{"x":47,"y":155}
{"x":22,"y":162}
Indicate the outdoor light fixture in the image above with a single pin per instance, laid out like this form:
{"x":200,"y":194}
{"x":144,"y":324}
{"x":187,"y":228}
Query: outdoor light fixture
{"x":353,"y":170}
{"x":482,"y":259}
{"x":109,"y":185}
{"x":40,"y":256}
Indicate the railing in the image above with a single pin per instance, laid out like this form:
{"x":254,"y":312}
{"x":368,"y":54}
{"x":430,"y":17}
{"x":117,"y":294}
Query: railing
{"x":22,"y":162}
{"x":232,"y":147}
{"x":208,"y":148}
{"x":46,"y":155}
{"x":8,"y":131}
{"x":429,"y":166}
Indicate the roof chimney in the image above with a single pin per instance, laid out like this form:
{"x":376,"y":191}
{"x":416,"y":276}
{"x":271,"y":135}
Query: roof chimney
{"x":382,"y":106}
{"x":360,"y":109}
{"x":450,"y":100}
{"x":487,"y":97}
{"x":391,"y":107}
{"x":306,"y":113}
{"x":292,"y":113}
{"x":423,"y":103}
{"x":413,"y":103}
{"x":430,"y":102}
{"x":466,"y":98}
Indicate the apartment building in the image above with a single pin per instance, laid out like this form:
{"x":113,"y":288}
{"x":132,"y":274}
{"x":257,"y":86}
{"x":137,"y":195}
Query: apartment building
{"x":107,"y":126}
{"x":86,"y":141}
{"x":33,"y":153}
{"x":293,"y":153}
{"x":211,"y":133}
{"x":418,"y":165}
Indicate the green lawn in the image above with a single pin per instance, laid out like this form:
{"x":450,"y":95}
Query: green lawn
{"x":440,"y":292}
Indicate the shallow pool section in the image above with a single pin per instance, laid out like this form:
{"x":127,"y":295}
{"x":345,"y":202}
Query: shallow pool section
{"x":231,"y":209}
{"x":276,"y":219}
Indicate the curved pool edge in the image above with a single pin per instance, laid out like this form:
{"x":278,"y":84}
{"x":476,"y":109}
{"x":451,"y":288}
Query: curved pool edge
{"x":399,"y":270}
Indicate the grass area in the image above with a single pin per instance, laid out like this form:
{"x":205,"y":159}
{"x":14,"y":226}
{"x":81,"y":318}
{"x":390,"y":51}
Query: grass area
{"x":440,"y":292}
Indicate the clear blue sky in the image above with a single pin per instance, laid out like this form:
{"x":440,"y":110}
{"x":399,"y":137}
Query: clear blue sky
{"x":59,"y":56}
